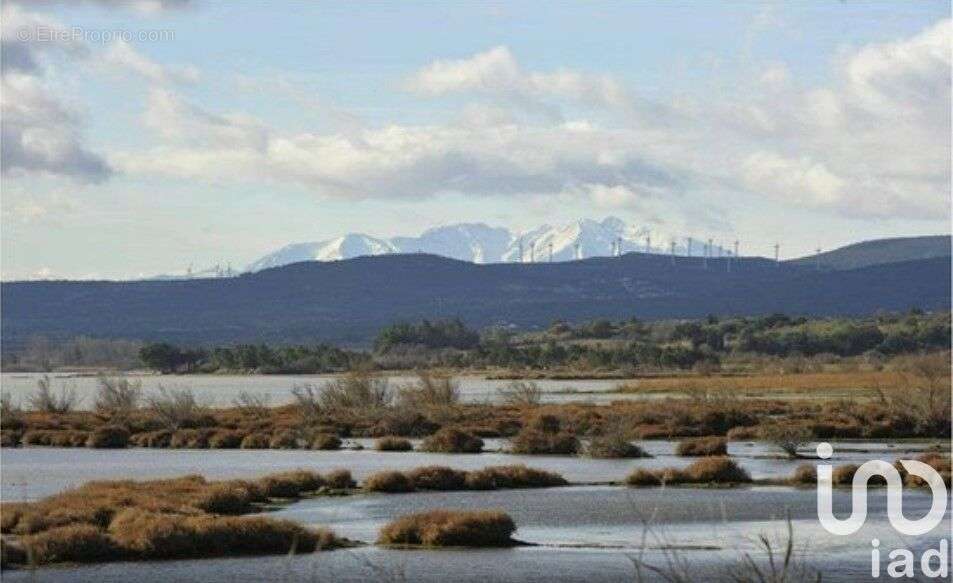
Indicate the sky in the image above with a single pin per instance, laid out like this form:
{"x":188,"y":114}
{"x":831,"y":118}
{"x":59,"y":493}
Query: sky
{"x":144,"y":136}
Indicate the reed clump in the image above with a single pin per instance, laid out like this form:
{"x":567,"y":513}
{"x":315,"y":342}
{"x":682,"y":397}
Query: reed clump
{"x":450,"y":528}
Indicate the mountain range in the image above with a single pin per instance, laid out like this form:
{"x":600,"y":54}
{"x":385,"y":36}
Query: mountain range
{"x":480,"y":243}
{"x":348,"y":301}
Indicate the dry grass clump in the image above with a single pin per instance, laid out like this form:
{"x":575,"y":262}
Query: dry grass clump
{"x":643,"y":477}
{"x":108,"y":436}
{"x":430,"y":390}
{"x":804,"y":474}
{"x":702,"y":446}
{"x":614,"y":442}
{"x":175,"y":518}
{"x":938,"y":461}
{"x":444,"y":478}
{"x":191,"y":438}
{"x":255,"y":441}
{"x":283,"y":440}
{"x":391,"y":443}
{"x":452,"y":440}
{"x":742,"y":433}
{"x":339,"y":479}
{"x":708,"y":470}
{"x":437,"y":478}
{"x":389,"y":481}
{"x":442,"y":528}
{"x":291,"y":484}
{"x":517,"y":476}
{"x":326,"y":441}
{"x":226,"y":439}
{"x":150,"y":535}
{"x":544,"y":435}
{"x":76,"y":543}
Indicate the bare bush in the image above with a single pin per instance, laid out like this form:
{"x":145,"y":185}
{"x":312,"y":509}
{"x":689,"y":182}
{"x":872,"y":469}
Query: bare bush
{"x":49,"y":401}
{"x":356,"y":390}
{"x":521,"y":393}
{"x":253,"y":405}
{"x":118,"y":396}
{"x":927,"y":396}
{"x":307,"y":400}
{"x":174,"y":408}
{"x":788,"y":437}
{"x":10,"y":413}
{"x":431,"y":390}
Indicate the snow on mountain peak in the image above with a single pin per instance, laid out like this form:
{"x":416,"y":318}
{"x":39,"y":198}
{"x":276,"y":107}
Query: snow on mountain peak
{"x":481,"y":243}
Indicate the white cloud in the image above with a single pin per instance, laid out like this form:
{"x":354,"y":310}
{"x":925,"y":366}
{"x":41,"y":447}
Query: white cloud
{"x":873,"y":143}
{"x":123,"y":56}
{"x":40,"y":133}
{"x":496,"y":72}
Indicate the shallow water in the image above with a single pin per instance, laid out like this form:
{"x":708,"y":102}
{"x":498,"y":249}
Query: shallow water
{"x":704,"y":531}
{"x":221,"y":390}
{"x":34,"y":472}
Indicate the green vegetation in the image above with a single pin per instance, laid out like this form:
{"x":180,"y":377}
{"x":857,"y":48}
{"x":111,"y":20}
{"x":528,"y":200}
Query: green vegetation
{"x":629,"y":346}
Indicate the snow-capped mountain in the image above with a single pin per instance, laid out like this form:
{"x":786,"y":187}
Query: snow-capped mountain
{"x":346,"y":247}
{"x":481,"y":243}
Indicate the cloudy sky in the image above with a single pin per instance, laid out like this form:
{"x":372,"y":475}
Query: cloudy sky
{"x":140,"y":137}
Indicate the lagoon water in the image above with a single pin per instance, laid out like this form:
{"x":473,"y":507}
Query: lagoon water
{"x":586,"y":534}
{"x":221,"y":390}
{"x":34,"y":472}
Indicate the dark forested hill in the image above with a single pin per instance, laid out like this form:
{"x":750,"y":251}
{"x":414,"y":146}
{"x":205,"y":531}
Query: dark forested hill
{"x":348,"y":301}
{"x":880,"y":251}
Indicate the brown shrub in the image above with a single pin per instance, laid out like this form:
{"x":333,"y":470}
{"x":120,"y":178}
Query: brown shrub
{"x":844,"y":475}
{"x":643,"y":477}
{"x":485,"y":528}
{"x":38,"y":437}
{"x":717,"y":470}
{"x":77,"y":543}
{"x":190,"y":438}
{"x":389,"y":481}
{"x":108,"y":437}
{"x":326,"y":441}
{"x":10,"y":513}
{"x":171,"y":536}
{"x":520,"y":476}
{"x":452,"y":440}
{"x":158,"y":439}
{"x":938,"y":461}
{"x":339,"y":479}
{"x":69,"y":438}
{"x":391,"y":443}
{"x":255,"y":441}
{"x":437,"y":478}
{"x":742,"y":433}
{"x":226,"y":439}
{"x":283,"y":440}
{"x":10,"y":438}
{"x":290,"y":484}
{"x":614,"y":445}
{"x":702,"y":446}
{"x":532,"y":441}
{"x":805,"y":474}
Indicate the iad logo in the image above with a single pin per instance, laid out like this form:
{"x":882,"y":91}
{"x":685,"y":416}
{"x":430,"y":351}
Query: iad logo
{"x":933,"y":562}
{"x":844,"y":527}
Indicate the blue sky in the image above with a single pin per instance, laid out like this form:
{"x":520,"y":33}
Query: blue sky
{"x":259,"y":124}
